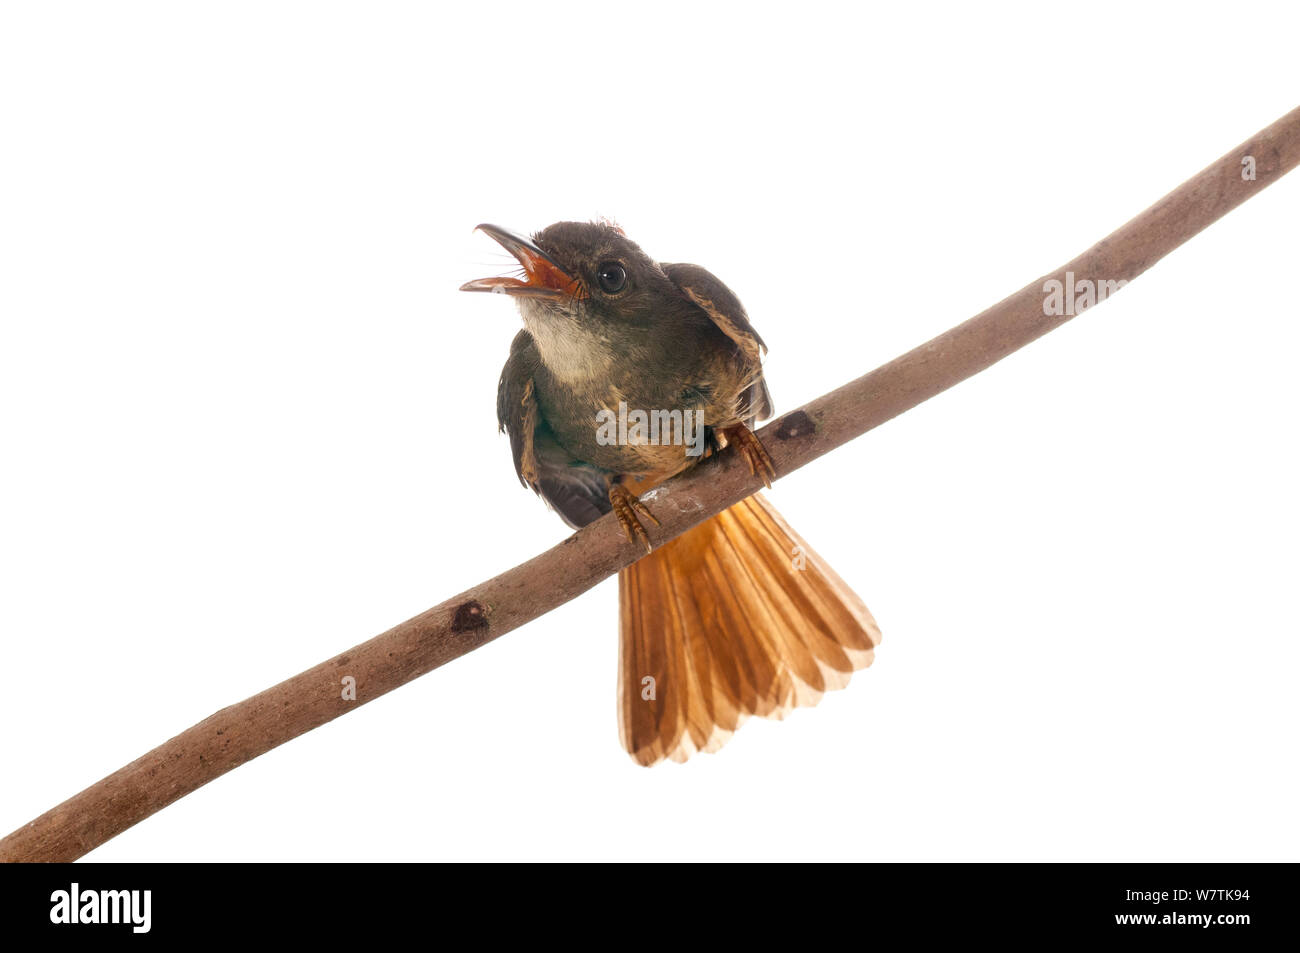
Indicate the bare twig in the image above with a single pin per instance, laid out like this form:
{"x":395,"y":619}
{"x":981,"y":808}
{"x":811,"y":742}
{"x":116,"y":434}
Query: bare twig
{"x":256,"y":725}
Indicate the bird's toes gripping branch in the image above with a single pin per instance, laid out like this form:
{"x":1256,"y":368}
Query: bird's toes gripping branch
{"x":752,"y":449}
{"x":626,"y":506}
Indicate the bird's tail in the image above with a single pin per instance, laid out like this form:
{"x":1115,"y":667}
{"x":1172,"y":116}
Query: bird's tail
{"x":735,"y":617}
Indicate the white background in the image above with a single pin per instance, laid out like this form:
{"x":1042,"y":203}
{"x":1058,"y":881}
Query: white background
{"x":248,"y":421}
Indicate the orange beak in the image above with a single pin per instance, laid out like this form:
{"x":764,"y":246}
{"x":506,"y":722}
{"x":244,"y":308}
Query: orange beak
{"x":543,"y":277}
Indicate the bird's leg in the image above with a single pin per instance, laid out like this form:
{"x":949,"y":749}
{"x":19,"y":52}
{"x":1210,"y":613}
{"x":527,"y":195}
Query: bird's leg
{"x":626,"y":505}
{"x":752,"y":449}
{"x":711,"y":444}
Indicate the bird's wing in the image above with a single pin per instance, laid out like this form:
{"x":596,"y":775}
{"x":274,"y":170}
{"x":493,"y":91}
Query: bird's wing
{"x":576,"y":490}
{"x":725,"y":310}
{"x":719,"y":303}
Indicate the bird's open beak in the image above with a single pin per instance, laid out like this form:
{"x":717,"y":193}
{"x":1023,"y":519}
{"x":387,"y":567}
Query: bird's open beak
{"x":543,"y":277}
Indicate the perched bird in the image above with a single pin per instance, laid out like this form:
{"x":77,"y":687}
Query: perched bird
{"x":629,"y":371}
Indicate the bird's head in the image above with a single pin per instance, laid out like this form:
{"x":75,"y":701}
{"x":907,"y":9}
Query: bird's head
{"x":587,"y":277}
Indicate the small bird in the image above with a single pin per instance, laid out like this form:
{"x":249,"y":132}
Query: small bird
{"x":629,"y":371}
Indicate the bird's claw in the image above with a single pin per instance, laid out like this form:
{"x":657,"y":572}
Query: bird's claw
{"x":755,"y":454}
{"x":626,"y":505}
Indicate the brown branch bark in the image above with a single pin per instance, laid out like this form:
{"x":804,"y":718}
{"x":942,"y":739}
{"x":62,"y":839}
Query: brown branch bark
{"x":254,"y":726}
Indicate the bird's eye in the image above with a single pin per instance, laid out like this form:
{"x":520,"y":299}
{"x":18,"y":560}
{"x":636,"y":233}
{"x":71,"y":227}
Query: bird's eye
{"x":612,"y":277}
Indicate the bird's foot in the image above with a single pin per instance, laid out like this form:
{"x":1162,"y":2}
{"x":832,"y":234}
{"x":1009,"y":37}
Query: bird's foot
{"x":752,"y":449}
{"x":626,"y":506}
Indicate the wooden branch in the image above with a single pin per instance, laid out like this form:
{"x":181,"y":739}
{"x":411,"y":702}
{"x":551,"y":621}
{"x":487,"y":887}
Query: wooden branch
{"x":241,"y":732}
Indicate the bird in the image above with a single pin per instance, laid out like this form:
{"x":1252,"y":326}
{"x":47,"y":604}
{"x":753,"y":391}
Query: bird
{"x":629,"y":371}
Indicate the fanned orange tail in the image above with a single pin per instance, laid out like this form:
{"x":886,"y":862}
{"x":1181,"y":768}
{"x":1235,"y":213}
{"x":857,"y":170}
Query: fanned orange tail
{"x":735,"y":617}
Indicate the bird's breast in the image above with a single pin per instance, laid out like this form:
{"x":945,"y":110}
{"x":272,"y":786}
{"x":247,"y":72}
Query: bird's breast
{"x":635,"y":401}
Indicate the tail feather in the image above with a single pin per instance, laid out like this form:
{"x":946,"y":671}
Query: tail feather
{"x":736,"y":617}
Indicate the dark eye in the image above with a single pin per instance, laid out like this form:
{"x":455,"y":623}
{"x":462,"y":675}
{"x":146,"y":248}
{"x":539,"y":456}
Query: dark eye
{"x":612,"y":277}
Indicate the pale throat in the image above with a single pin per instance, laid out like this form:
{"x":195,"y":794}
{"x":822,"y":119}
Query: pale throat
{"x":572,"y":350}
